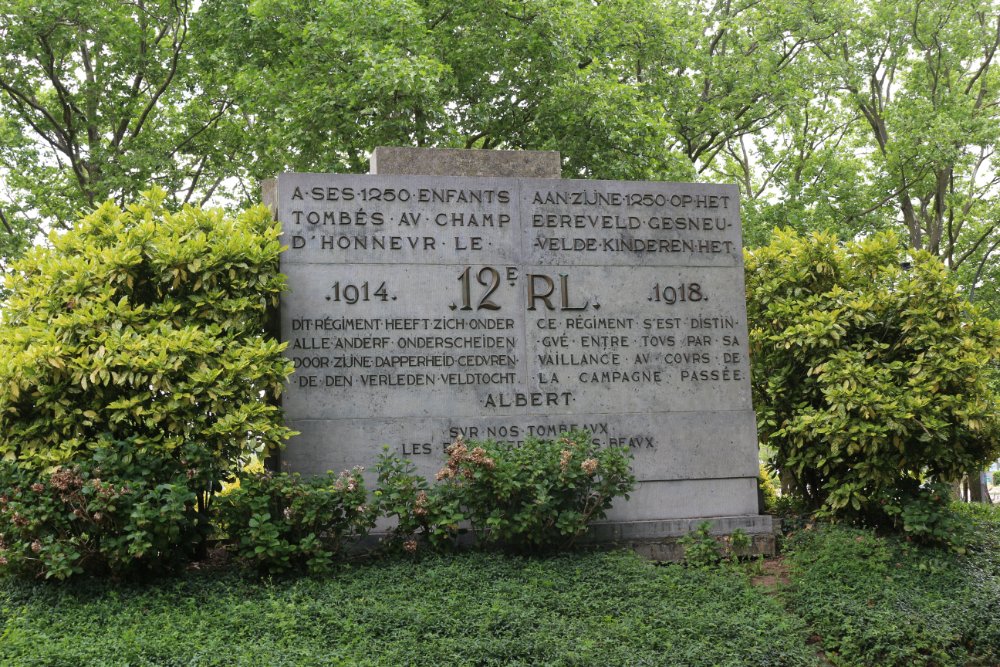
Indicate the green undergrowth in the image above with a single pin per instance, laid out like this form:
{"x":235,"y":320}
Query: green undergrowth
{"x":872,"y":601}
{"x":882,"y":601}
{"x":469,"y":609}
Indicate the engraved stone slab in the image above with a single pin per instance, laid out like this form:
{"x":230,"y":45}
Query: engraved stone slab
{"x":424,"y":307}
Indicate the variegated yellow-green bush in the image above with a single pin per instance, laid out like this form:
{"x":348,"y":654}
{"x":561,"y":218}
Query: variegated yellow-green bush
{"x":135,"y":348}
{"x":873,"y":376}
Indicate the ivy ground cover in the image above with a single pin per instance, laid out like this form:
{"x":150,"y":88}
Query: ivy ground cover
{"x":860,"y":599}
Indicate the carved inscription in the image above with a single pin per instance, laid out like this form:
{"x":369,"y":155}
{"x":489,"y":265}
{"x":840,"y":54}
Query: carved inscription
{"x":426,"y":308}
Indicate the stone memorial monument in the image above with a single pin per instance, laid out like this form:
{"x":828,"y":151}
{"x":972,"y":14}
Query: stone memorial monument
{"x":475,"y":293}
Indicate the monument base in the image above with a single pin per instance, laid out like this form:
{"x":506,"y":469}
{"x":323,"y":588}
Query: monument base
{"x":660,"y":539}
{"x":656,"y":540}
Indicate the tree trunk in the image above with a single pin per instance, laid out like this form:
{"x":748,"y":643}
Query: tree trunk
{"x":976,"y":491}
{"x":787,"y":483}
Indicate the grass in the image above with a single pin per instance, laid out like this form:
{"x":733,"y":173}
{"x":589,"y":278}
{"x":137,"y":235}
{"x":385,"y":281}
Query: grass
{"x":871,"y":600}
{"x":882,"y":601}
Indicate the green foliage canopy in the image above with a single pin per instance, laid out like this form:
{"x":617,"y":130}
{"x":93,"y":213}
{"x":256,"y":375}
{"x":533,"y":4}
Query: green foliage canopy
{"x":101,"y":100}
{"x":851,"y":116}
{"x":893,"y":122}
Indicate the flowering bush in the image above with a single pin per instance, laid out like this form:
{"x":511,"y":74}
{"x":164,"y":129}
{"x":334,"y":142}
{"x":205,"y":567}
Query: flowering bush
{"x":542,"y":494}
{"x":424,"y":512}
{"x":106,"y":513}
{"x":281,"y":521}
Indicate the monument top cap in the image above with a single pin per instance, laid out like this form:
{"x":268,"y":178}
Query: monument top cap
{"x":406,"y":161}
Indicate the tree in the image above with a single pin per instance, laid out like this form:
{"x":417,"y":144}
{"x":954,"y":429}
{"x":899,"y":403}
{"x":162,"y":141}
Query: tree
{"x":99,"y":100}
{"x":320,"y":85}
{"x":624,"y":89}
{"x":868,"y":377}
{"x":850,"y":116}
{"x":923,"y":75}
{"x":806,"y":174}
{"x":898,"y":127}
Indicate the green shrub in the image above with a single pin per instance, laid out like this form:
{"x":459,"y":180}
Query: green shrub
{"x":99,"y":515}
{"x":926,"y":513}
{"x":870,"y":373}
{"x":542,"y":494}
{"x":539,"y":495}
{"x":423,"y":512}
{"x":147,"y":328}
{"x":702,"y":550}
{"x":281,"y":521}
{"x":473,"y":608}
{"x":740,"y":544}
{"x":882,"y":600}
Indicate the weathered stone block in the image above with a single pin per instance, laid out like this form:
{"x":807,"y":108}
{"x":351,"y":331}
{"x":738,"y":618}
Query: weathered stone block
{"x":461,"y":162}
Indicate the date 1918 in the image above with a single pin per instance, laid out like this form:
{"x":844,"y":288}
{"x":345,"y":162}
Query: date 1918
{"x":682,"y":293}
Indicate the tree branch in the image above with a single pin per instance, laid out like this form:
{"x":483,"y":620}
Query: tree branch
{"x":209,"y":123}
{"x":441,"y":17}
{"x":197,"y":177}
{"x":137,"y":80}
{"x":979,"y":269}
{"x":982,"y":238}
{"x":65,"y":97}
{"x":29,"y":100}
{"x":6,"y":224}
{"x":180,"y":34}
{"x":988,"y":58}
{"x":211,"y":191}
